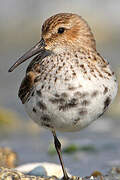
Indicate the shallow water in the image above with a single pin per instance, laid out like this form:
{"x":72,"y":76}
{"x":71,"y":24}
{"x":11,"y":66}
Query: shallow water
{"x":103,"y":135}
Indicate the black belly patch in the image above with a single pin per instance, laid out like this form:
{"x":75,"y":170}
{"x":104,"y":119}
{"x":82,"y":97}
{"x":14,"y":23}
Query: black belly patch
{"x":57,"y":100}
{"x":46,"y":121}
{"x":41,"y":105}
{"x":45,"y":118}
{"x":68,"y":105}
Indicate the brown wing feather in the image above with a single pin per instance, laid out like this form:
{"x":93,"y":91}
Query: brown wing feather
{"x":28,"y":84}
{"x":27,"y":87}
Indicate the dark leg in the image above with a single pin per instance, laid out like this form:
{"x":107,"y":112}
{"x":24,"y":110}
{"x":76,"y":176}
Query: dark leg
{"x":58,"y":149}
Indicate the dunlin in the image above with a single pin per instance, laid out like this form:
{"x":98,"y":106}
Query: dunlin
{"x":68,"y":84}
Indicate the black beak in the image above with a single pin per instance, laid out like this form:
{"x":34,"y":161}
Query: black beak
{"x":33,"y":51}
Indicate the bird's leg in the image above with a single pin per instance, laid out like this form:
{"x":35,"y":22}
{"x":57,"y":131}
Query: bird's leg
{"x":58,"y":149}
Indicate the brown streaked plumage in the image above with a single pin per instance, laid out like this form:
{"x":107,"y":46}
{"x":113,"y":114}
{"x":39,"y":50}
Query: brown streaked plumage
{"x":68,"y":84}
{"x":76,"y":30}
{"x":26,"y":86}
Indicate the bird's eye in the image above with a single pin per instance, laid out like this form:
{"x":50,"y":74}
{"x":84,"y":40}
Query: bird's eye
{"x":61,"y":30}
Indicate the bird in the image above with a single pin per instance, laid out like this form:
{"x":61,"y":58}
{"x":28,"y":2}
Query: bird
{"x":68,"y":84}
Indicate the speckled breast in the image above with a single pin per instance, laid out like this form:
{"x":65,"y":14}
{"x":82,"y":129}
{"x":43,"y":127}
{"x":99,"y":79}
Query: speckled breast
{"x":71,"y":96}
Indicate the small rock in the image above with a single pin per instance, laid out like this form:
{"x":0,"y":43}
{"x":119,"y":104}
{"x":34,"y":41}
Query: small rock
{"x":8,"y":158}
{"x":43,"y":169}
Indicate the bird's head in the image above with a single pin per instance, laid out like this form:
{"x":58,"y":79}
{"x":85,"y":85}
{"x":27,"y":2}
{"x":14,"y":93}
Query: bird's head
{"x":67,"y":30}
{"x":59,"y":33}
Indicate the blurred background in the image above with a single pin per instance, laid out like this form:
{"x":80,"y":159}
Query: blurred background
{"x":98,"y":146}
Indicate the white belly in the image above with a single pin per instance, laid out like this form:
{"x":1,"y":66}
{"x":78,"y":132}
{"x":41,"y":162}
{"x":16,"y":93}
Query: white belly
{"x":71,"y":106}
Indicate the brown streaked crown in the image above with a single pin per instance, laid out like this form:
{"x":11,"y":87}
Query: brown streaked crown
{"x":76,"y":33}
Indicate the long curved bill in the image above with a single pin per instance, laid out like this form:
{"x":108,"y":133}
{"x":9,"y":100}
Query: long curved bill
{"x":33,"y":51}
